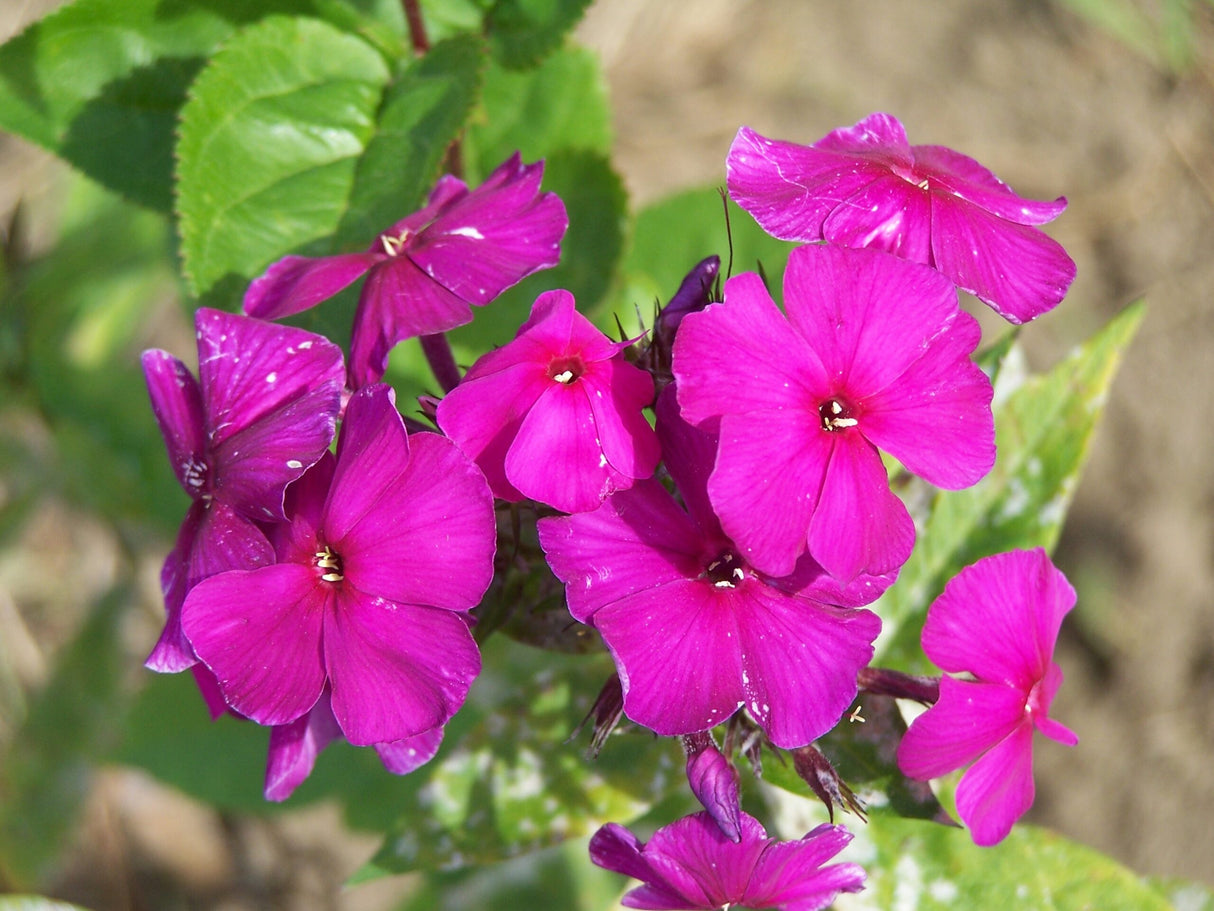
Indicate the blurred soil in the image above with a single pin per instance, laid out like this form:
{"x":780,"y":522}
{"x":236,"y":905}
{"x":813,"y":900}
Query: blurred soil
{"x":1052,"y":105}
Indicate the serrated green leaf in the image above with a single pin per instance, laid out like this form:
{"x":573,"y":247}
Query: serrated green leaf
{"x":913,"y":864}
{"x":560,"y":105}
{"x":507,"y":781}
{"x":45,"y":772}
{"x":1043,"y":431}
{"x":100,"y":83}
{"x":523,"y":32}
{"x":269,"y":145}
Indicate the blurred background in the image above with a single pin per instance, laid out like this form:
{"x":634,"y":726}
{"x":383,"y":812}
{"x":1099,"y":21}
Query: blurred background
{"x":1109,"y":102}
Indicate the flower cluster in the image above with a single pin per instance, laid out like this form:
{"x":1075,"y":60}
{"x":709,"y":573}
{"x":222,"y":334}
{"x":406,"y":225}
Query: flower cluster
{"x":727,"y":555}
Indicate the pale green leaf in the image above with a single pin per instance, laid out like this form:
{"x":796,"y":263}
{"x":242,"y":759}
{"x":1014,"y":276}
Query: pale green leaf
{"x":1043,"y":431}
{"x":927,"y":867}
{"x":523,"y":32}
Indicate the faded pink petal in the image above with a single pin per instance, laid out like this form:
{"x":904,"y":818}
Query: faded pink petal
{"x":395,"y":672}
{"x":297,"y":283}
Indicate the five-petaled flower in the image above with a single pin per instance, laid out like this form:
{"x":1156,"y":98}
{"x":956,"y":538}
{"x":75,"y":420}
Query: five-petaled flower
{"x":866,"y":186}
{"x":874,"y":353}
{"x":692,"y":864}
{"x":465,"y":247}
{"x":556,"y":414}
{"x":262,"y":411}
{"x":696,"y":632}
{"x":997,"y":620}
{"x":386,"y":547}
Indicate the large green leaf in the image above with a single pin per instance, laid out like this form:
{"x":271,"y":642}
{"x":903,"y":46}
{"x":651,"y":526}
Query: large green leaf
{"x":523,"y":32}
{"x":913,"y":864}
{"x":1043,"y":430}
{"x":508,"y":781}
{"x":100,"y":82}
{"x":560,"y":105}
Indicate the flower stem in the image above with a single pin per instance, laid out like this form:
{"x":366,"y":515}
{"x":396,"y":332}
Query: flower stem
{"x":442,"y":362}
{"x":417,"y":28}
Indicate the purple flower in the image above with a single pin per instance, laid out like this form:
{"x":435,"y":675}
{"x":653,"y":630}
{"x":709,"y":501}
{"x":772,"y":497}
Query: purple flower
{"x":874,"y":353}
{"x":386,"y":544}
{"x":295,"y":746}
{"x":865,"y":186}
{"x":696,"y":632}
{"x":556,"y":414}
{"x":692,"y":864}
{"x":423,"y":272}
{"x":997,"y":620}
{"x":262,"y":411}
{"x":714,"y":781}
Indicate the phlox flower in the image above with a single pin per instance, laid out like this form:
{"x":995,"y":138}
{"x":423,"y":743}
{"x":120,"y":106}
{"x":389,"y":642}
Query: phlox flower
{"x":555,"y":414}
{"x":866,"y":186}
{"x":263,"y":409}
{"x":695,"y":630}
{"x":998,"y":621}
{"x":692,"y":864}
{"x":465,"y":247}
{"x":874,"y":353}
{"x":386,"y":545}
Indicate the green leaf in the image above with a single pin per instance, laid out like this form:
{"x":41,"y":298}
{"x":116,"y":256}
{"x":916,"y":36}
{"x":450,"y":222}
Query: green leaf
{"x":34,"y":903}
{"x":912,"y":864}
{"x":558,"y":106}
{"x":672,"y":235}
{"x":1043,"y":430}
{"x":46,"y":770}
{"x":100,"y":83}
{"x":507,"y":781}
{"x":1183,"y":895}
{"x":523,"y":32}
{"x":270,"y":143}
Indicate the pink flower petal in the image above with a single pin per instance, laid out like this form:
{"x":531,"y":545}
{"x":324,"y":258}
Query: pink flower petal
{"x":998,"y":789}
{"x":723,"y":358}
{"x":788,"y":188}
{"x":400,"y":757}
{"x":638,"y":539}
{"x":999,"y":619}
{"x":1019,"y":271}
{"x":396,"y":670}
{"x":177,"y":404}
{"x":859,"y":525}
{"x":799,"y":662}
{"x":676,"y":648}
{"x":617,"y":392}
{"x":968,"y":719}
{"x":416,"y":527}
{"x":878,"y":137}
{"x":704,"y":860}
{"x":495,"y":236}
{"x":260,"y":633}
{"x":888,"y":214}
{"x":952,"y":172}
{"x":790,"y":874}
{"x":398,"y":301}
{"x":294,"y":748}
{"x":297,"y":283}
{"x":773,"y":474}
{"x":690,"y":455}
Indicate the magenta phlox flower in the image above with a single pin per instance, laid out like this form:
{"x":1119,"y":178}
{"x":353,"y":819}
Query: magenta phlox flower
{"x":386,"y":545}
{"x":692,"y":864}
{"x":696,"y":632}
{"x":556,"y":414}
{"x":263,"y":409}
{"x":423,"y":273}
{"x":866,"y":186}
{"x":998,"y":621}
{"x":875,"y":352}
{"x":295,"y":746}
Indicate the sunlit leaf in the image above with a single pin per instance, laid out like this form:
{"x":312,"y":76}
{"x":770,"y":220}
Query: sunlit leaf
{"x":1043,"y":431}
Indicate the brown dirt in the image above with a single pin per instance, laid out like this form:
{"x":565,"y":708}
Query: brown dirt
{"x":1052,"y":105}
